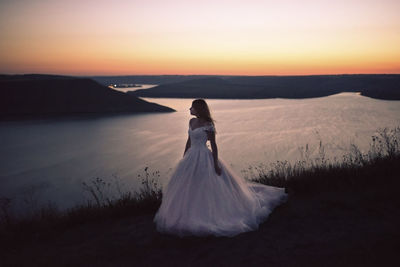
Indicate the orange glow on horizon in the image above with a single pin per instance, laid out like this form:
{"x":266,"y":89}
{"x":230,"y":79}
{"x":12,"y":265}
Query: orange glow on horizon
{"x":186,"y":37}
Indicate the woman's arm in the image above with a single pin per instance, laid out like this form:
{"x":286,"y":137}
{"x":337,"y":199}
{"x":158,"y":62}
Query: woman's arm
{"x":211,"y":137}
{"x":187,"y":145}
{"x":188,"y":140}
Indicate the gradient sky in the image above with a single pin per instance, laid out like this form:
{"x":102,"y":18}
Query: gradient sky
{"x":285,"y":37}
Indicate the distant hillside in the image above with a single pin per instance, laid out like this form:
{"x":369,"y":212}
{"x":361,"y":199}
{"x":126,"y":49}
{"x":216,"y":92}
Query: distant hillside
{"x":34,"y":95}
{"x":145,"y":79}
{"x":381,"y":86}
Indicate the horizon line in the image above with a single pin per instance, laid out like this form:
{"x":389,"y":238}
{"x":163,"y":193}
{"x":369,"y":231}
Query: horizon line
{"x":119,"y":75}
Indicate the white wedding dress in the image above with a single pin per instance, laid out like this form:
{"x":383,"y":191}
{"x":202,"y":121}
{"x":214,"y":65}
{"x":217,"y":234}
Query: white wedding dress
{"x":198,"y":202}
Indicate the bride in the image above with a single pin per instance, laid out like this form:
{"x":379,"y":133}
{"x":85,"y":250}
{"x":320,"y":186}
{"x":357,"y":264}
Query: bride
{"x":204,"y":196}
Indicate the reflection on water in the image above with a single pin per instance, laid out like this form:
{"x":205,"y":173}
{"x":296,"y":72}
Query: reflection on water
{"x":54,"y":157}
{"x":142,"y":86}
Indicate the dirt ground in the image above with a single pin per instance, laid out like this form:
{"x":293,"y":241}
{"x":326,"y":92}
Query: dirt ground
{"x":326,"y":229}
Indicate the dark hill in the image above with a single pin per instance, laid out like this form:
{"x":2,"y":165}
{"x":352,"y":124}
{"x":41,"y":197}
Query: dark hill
{"x":42,"y":95}
{"x":381,"y":86}
{"x":145,"y":79}
{"x":212,"y":87}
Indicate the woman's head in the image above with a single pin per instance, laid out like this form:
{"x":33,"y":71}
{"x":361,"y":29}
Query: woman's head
{"x":200,"y":109}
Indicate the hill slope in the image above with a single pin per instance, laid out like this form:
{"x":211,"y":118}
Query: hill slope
{"x":60,"y":95}
{"x":381,"y":86}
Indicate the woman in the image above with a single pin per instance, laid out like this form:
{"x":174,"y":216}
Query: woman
{"x":204,"y":196}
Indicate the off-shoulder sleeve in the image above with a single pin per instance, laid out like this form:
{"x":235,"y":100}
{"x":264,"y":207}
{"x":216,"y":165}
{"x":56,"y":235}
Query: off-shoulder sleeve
{"x":210,"y":128}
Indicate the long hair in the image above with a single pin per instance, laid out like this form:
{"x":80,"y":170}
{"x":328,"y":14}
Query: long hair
{"x":202,"y":109}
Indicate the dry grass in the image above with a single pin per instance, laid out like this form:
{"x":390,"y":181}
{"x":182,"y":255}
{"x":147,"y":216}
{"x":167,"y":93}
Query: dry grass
{"x":354,"y":171}
{"x":49,"y":219}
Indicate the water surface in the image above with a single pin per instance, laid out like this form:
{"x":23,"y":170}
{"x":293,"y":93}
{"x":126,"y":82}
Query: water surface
{"x":45,"y":160}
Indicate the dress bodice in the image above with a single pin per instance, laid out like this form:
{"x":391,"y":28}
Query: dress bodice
{"x":198,"y":136}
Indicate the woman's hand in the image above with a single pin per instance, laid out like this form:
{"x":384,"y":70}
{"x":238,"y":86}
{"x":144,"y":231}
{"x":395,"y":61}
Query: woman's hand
{"x":217,"y":169}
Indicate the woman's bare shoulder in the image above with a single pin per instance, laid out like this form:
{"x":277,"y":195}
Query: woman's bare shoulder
{"x":192,"y":120}
{"x":199,"y":123}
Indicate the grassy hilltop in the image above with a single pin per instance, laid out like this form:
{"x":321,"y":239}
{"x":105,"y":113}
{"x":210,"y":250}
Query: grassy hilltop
{"x":339,"y":213}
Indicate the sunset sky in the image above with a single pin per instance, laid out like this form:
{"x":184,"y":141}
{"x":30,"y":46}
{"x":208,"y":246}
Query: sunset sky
{"x":253,"y":37}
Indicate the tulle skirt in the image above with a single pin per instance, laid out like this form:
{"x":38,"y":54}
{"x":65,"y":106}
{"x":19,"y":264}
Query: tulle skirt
{"x":198,"y":202}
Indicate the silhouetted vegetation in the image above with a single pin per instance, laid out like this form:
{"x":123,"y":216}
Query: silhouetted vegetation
{"x":104,"y":206}
{"x":379,"y":166}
